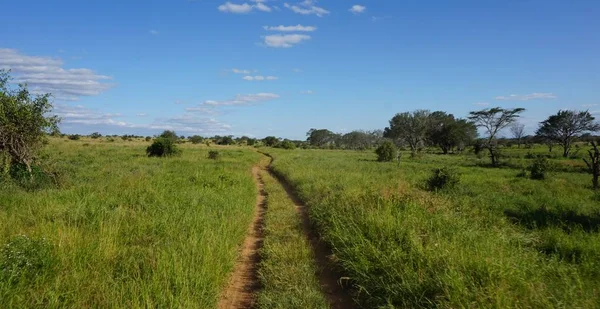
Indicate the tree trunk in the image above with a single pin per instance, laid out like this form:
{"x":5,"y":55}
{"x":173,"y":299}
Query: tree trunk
{"x":492,"y":155}
{"x":566,"y":149}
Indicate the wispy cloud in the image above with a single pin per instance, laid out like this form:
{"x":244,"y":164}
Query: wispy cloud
{"x":245,"y":99}
{"x":589,"y":105}
{"x":527,"y":97}
{"x":240,"y":71}
{"x":285,"y":40}
{"x":481,"y":103}
{"x":82,"y":115}
{"x":46,"y":75}
{"x":296,"y":28}
{"x":153,"y":32}
{"x":308,"y":92}
{"x":244,"y":8}
{"x":259,"y":78}
{"x":357,"y":9}
{"x":307,"y":7}
{"x":141,"y":114}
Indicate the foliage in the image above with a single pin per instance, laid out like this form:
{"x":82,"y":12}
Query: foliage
{"x":409,"y":127}
{"x":443,"y":178}
{"x":270,"y":141}
{"x":74,"y":137}
{"x":386,"y":152}
{"x":148,"y":138}
{"x":25,"y":121}
{"x":286,"y":144}
{"x":226,"y":140}
{"x":518,"y":131}
{"x":196,"y":139}
{"x":565,"y":126}
{"x":171,"y":135}
{"x":163,"y":147}
{"x":25,"y":258}
{"x":95,"y":135}
{"x":321,"y":137}
{"x":214,"y":155}
{"x":493,"y":120}
{"x":593,"y":164}
{"x":539,"y":168}
{"x":34,"y":178}
{"x":447,"y":132}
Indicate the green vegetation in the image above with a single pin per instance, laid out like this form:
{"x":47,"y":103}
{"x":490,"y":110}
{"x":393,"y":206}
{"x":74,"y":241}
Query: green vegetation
{"x":125,"y":230}
{"x":494,"y":241}
{"x":386,"y":152}
{"x":287,"y":271}
{"x":164,"y":146}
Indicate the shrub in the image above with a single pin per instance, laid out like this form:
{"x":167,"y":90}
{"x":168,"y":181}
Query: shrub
{"x":74,"y":137}
{"x":196,"y":139}
{"x":443,"y":178}
{"x":169,"y":135}
{"x":148,"y":138}
{"x":163,"y":147}
{"x":37,"y":179}
{"x":287,"y":145}
{"x":95,"y":135}
{"x":214,"y":155}
{"x":25,"y":258}
{"x":539,"y":168}
{"x":386,"y":152}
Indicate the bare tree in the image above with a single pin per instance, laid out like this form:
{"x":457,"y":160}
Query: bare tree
{"x":493,"y":120}
{"x":594,"y":164}
{"x":518,"y":131}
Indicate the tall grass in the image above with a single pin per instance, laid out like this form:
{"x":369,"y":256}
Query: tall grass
{"x":125,"y":230}
{"x":493,"y":241}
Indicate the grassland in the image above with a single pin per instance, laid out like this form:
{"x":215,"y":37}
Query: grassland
{"x":495,"y":241}
{"x":124,"y":230}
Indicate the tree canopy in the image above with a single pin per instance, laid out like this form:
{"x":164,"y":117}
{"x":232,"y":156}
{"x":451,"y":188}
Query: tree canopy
{"x":564,"y":126}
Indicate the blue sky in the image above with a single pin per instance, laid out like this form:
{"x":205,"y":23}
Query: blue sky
{"x":279,"y":68}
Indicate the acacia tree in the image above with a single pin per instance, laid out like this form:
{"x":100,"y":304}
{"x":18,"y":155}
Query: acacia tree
{"x":321,"y":137}
{"x":409,"y":127}
{"x":565,"y":126}
{"x":594,"y":164}
{"x":493,"y":120}
{"x":25,"y":120}
{"x":518,"y":131}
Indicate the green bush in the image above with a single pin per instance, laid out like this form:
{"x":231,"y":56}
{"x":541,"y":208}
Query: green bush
{"x":286,"y":145}
{"x":148,"y":138}
{"x":386,"y":152}
{"x":539,"y":168}
{"x":443,"y":178}
{"x":37,"y":179}
{"x":196,"y":139}
{"x":214,"y":155}
{"x":74,"y":137}
{"x":24,"y":258}
{"x":163,"y":147}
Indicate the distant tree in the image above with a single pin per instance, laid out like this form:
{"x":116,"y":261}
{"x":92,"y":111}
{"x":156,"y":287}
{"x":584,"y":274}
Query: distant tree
{"x":518,"y":131}
{"x":270,"y":141}
{"x":356,"y":140}
{"x":565,"y":126}
{"x":251,"y":141}
{"x":448,"y":133}
{"x":169,"y":135}
{"x":286,"y":144}
{"x":196,"y":139}
{"x":321,"y":137}
{"x":493,"y":120}
{"x":95,"y":135}
{"x":25,"y":121}
{"x":163,"y":147}
{"x":226,"y":140}
{"x":409,"y":127}
{"x":74,"y":137}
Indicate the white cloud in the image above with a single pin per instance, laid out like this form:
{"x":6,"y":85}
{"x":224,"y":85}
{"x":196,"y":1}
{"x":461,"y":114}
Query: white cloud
{"x":46,"y":75}
{"x":201,"y":110}
{"x":290,"y":28}
{"x":259,"y":78}
{"x":245,"y":99}
{"x":357,"y":9}
{"x":85,"y":116}
{"x":527,"y":97}
{"x":239,"y":71}
{"x":153,"y":32}
{"x":286,"y":40}
{"x":481,"y":103}
{"x":308,"y":92}
{"x":307,"y":7}
{"x":589,"y":105}
{"x":141,"y":114}
{"x":244,"y":8}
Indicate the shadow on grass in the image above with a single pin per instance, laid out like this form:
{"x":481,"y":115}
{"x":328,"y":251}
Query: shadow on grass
{"x":543,"y":217}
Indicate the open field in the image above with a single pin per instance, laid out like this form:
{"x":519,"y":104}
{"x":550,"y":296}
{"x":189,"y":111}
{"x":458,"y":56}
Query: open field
{"x":127,"y":231}
{"x":497,"y":240}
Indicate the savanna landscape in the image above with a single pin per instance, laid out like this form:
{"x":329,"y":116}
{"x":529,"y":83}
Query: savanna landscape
{"x":268,"y":154}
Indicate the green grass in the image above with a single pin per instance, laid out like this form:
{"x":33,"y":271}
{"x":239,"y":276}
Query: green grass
{"x":287,"y":271}
{"x":496,"y":240}
{"x":125,"y":230}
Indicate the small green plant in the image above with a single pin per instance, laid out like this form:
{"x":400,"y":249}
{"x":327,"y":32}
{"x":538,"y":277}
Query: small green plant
{"x":214,"y":155}
{"x":443,"y":178}
{"x":386,"y":152}
{"x":539,"y":168}
{"x":25,"y":258}
{"x":163,"y":147}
